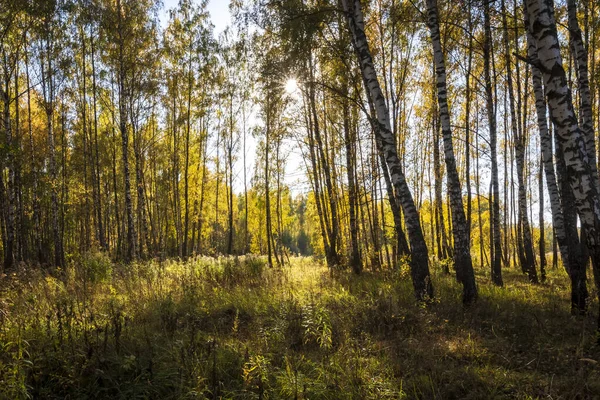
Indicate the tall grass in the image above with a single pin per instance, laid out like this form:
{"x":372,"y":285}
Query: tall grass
{"x":234,"y":328}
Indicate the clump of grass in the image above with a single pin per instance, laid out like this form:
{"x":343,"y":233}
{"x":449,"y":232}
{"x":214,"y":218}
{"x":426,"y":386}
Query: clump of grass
{"x":231,"y":328}
{"x":95,"y":267}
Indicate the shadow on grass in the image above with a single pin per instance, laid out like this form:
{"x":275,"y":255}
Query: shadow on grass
{"x":515,"y":342}
{"x":208,"y":329}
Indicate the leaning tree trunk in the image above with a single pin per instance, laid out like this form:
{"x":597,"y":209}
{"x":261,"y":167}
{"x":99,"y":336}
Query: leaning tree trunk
{"x":402,"y":248}
{"x":579,"y":173}
{"x":460,"y":229}
{"x":419,"y":258}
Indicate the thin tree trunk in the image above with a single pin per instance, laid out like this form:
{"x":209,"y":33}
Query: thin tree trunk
{"x":496,"y":249}
{"x":97,"y":198}
{"x":246,"y":234}
{"x":541,"y":216}
{"x":230,"y":163}
{"x":350,"y":142}
{"x":267,"y":188}
{"x":49,"y":94}
{"x":123,"y":98}
{"x":333,"y":256}
{"x":9,"y":247}
{"x":468,"y":119}
{"x":37,"y":234}
{"x":186,"y":168}
{"x":527,"y":258}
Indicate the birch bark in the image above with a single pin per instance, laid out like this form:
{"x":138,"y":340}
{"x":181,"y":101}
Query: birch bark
{"x":460,"y":229}
{"x":419,"y":262}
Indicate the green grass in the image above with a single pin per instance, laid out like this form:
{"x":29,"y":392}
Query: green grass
{"x":233,"y":328}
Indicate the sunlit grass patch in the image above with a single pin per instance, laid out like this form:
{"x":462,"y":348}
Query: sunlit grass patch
{"x":234,"y":328}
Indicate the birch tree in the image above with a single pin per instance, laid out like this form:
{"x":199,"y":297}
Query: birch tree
{"x":570,"y":138}
{"x":461,"y":231}
{"x":419,"y":255}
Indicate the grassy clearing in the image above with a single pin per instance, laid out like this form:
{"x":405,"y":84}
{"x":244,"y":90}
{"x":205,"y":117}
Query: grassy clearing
{"x":232,"y":328}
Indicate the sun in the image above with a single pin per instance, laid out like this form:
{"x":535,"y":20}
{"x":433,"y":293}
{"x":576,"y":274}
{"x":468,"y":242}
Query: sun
{"x":291,"y":86}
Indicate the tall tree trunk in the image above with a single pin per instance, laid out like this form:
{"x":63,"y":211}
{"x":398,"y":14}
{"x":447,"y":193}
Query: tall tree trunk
{"x":585,"y":98}
{"x":246,"y":234}
{"x":482,"y":253}
{"x":97,"y":198}
{"x":143,"y":238}
{"x":9,"y":198}
{"x":84,"y":243}
{"x":419,"y":258}
{"x":269,"y":231}
{"x":333,"y":256}
{"x":186,"y":168}
{"x":565,"y":231}
{"x":176,"y":173}
{"x":461,"y":231}
{"x":203,"y":153}
{"x":230,"y":145}
{"x":440,"y":226}
{"x":542,"y":243}
{"x":37,"y":234}
{"x":123,"y":99}
{"x":320,"y":201}
{"x":468,"y":118}
{"x":350,"y":142}
{"x":49,"y":94}
{"x":496,"y":250}
{"x":527,"y":258}
{"x":571,"y":139}
{"x":18,"y":189}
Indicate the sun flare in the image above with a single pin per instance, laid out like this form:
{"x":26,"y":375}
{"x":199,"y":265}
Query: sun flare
{"x":291,"y":86}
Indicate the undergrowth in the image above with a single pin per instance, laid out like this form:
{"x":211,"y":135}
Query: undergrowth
{"x":234,"y":328}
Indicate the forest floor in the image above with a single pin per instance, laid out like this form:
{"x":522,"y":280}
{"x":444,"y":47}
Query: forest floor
{"x":233,"y":328}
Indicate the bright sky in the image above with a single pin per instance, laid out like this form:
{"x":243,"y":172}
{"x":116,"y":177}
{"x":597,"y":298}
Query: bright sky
{"x":294,"y":175}
{"x":219,"y":14}
{"x":218,"y":9}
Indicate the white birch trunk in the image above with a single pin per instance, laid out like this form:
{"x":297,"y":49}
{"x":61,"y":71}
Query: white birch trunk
{"x":419,"y":256}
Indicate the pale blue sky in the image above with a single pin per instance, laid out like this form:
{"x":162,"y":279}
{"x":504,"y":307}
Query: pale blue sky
{"x":218,"y":9}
